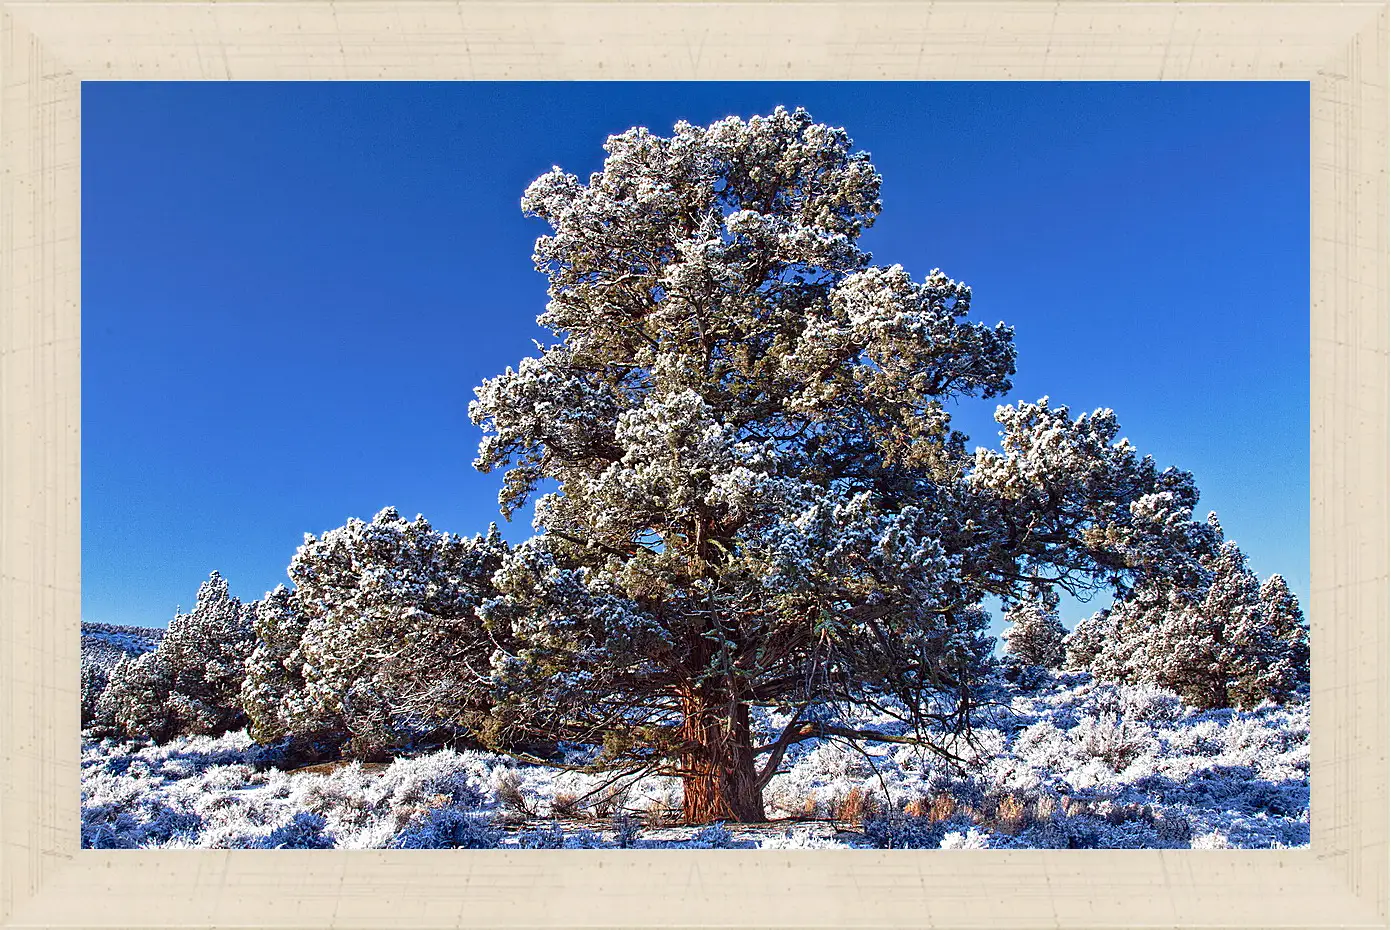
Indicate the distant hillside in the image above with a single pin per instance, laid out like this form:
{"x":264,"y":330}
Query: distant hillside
{"x":104,"y":643}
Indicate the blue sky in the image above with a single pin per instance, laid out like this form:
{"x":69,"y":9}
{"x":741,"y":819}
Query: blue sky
{"x":290,"y":290}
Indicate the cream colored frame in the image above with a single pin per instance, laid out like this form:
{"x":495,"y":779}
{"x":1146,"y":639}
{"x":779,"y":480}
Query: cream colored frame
{"x":47,"y":48}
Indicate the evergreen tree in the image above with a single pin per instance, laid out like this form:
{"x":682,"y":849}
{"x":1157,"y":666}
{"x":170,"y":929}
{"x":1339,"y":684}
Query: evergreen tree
{"x":274,"y":683}
{"x":760,"y":498}
{"x":1224,"y":640}
{"x":206,"y":650}
{"x":136,"y":700}
{"x":1083,"y":645}
{"x":1035,"y":633}
{"x":191,"y":683}
{"x":95,"y":678}
{"x":379,"y":644}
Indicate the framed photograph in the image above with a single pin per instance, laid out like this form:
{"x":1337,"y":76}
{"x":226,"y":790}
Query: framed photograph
{"x":680,"y":464}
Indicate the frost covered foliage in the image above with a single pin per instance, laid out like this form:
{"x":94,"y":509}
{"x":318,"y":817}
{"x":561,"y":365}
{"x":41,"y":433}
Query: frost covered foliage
{"x":1226,"y":640}
{"x":104,"y":647}
{"x":378,"y":645}
{"x":761,"y":499}
{"x":191,"y":682}
{"x":94,"y":679}
{"x":1034,"y":635}
{"x":1071,"y":764}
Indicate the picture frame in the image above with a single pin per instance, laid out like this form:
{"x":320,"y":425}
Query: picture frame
{"x":48,"y":48}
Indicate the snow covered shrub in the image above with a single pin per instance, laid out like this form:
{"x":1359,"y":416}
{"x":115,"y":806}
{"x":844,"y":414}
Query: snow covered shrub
{"x":1155,"y":706}
{"x":626,"y":829}
{"x":584,"y":839}
{"x":797,"y":839}
{"x":1035,"y":633}
{"x":302,"y":830}
{"x":893,"y":829}
{"x":548,"y":837}
{"x":971,"y":838}
{"x":1113,"y":740}
{"x":379,"y":643}
{"x":459,"y":778}
{"x":714,"y":836}
{"x":449,"y":828}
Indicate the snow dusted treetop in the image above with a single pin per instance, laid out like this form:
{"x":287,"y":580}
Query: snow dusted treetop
{"x":761,"y":498}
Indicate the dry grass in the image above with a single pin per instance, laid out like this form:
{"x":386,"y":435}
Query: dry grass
{"x":934,"y":809}
{"x":509,"y":794}
{"x":856,"y":806}
{"x":659,"y":815}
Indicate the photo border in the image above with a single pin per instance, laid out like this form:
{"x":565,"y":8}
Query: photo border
{"x":48,"y":48}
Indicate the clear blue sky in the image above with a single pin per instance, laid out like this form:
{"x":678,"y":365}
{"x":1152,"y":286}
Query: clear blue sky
{"x":290,"y":290}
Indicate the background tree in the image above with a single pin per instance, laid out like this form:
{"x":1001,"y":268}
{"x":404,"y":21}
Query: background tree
{"x":378,"y":645}
{"x":761,"y":500}
{"x":95,"y":678}
{"x":1035,"y":632}
{"x":190,"y":683}
{"x":1223,"y":640}
{"x":1085,"y":642}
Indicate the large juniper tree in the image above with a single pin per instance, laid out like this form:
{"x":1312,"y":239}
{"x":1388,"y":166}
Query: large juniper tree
{"x":759,"y":498}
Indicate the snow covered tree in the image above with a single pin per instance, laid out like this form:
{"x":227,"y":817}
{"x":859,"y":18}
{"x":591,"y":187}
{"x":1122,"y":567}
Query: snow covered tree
{"x":378,"y":644}
{"x":760,"y":497}
{"x":136,"y":700}
{"x":274,"y":683}
{"x":1289,"y":634}
{"x":95,"y":678}
{"x":1087,"y":639}
{"x":1225,"y":640}
{"x":207,"y":650}
{"x":1035,"y":633}
{"x":191,"y":683}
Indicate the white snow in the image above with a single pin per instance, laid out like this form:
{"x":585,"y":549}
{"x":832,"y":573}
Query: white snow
{"x":1075,"y":763}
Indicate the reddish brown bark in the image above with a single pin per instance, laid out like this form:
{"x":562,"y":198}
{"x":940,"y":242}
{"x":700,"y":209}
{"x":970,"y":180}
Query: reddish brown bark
{"x":719,"y":778}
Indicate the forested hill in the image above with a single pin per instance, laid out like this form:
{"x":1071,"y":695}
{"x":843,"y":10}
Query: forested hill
{"x":105,"y":643}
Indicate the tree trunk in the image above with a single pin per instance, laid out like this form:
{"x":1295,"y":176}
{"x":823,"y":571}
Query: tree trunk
{"x":719,"y":778}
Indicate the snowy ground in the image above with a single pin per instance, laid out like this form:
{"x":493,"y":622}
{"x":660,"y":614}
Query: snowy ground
{"x":1072,"y":764}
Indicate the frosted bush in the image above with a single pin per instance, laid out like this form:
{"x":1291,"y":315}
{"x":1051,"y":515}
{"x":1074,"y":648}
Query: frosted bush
{"x":449,"y":828}
{"x":626,"y":829}
{"x":970,"y":839}
{"x":1114,"y":741}
{"x":797,"y":839}
{"x":715,"y":836}
{"x":302,"y":830}
{"x":551,"y":837}
{"x":1151,"y":705}
{"x":897,"y":830}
